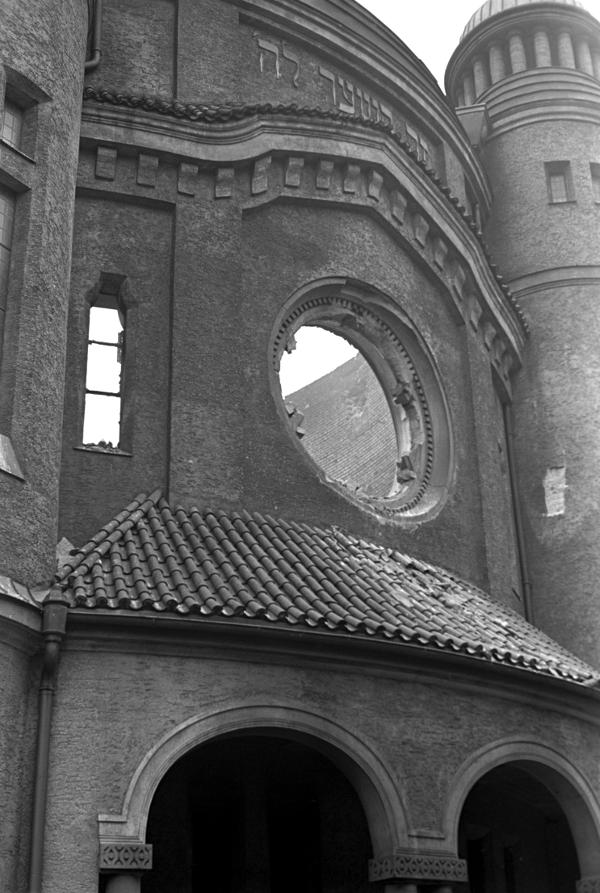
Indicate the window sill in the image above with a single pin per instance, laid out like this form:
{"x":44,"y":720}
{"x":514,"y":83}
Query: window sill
{"x":105,"y":451}
{"x":17,"y":151}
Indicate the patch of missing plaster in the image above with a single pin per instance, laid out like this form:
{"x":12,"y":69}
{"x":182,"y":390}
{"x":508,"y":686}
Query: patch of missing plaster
{"x":555,"y":485}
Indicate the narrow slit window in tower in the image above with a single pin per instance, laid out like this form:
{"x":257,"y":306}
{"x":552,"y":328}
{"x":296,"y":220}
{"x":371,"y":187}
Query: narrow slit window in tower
{"x":103,"y":387}
{"x":7,"y":213}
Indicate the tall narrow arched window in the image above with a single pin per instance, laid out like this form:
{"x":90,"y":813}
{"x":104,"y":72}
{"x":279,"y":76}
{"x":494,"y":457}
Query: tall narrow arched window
{"x":7,"y":213}
{"x":104,"y":374}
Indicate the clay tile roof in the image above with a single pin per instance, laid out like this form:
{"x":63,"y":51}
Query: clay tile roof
{"x":157,"y":559}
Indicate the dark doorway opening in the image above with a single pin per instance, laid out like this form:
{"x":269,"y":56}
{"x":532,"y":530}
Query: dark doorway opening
{"x":515,"y":836}
{"x":257,"y":814}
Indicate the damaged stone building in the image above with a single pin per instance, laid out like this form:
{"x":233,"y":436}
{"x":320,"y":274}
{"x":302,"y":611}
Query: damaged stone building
{"x":335,"y":637}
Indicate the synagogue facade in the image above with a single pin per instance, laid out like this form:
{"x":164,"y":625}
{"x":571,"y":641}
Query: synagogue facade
{"x":321,"y":637}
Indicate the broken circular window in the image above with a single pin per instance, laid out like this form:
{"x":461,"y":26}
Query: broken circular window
{"x":361,"y":397}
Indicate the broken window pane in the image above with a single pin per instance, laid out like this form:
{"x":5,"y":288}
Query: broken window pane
{"x":102,"y":418}
{"x":103,"y":368}
{"x":102,"y":414}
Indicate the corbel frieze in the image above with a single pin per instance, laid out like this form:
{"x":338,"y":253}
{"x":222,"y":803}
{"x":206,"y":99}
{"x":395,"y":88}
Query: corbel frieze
{"x":279,"y":177}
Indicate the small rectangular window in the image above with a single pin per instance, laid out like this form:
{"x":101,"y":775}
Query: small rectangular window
{"x":559,"y":182}
{"x":12,"y":123}
{"x":595,"y":172}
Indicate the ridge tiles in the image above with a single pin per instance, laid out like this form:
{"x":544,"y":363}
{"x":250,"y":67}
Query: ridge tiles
{"x":152,"y":558}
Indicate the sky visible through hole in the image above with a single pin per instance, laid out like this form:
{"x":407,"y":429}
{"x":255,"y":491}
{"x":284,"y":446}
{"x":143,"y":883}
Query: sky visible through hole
{"x":317,"y":353}
{"x":102,"y":413}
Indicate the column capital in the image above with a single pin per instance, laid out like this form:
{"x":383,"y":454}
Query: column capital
{"x":409,"y":865}
{"x":125,"y":857}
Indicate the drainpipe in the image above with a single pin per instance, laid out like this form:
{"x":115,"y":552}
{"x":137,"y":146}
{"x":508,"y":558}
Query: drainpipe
{"x":53,"y":630}
{"x":94,"y":60}
{"x":517,"y":513}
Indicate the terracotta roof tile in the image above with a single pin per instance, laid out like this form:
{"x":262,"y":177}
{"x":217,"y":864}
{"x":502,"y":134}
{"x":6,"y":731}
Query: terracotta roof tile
{"x":157,"y":559}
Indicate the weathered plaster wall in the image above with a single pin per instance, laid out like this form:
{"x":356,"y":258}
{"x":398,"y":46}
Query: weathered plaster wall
{"x":557,"y":408}
{"x":552,"y":254}
{"x":43,"y":43}
{"x":421,"y":729}
{"x":19,"y":674}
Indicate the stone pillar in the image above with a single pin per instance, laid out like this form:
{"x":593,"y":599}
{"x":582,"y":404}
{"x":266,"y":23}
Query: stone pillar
{"x":124,"y":883}
{"x":543,"y":53}
{"x":469,"y":89}
{"x":566,"y":56}
{"x":584,"y":56}
{"x":596,"y":62}
{"x":497,"y":64}
{"x":516,"y":48}
{"x":480,"y":76}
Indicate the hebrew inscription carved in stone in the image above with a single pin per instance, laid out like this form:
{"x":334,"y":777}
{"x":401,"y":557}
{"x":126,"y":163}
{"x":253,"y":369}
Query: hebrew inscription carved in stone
{"x":350,"y":98}
{"x":278,"y":51}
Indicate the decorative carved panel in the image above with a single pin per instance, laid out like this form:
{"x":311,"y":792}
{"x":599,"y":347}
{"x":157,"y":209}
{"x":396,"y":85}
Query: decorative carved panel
{"x":409,"y":866}
{"x":589,"y":885}
{"x":125,"y":857}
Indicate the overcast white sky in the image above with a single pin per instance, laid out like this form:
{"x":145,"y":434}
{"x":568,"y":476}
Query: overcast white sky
{"x":432,"y":28}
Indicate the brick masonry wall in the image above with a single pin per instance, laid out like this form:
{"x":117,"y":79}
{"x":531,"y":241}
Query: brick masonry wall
{"x":557,"y":398}
{"x":135,"y":241}
{"x":227,"y":435}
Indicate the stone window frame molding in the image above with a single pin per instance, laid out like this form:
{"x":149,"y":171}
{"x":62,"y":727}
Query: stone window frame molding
{"x":22,"y":93}
{"x":559,"y":169}
{"x":115,"y":285}
{"x":389,"y":341}
{"x":595,"y":180}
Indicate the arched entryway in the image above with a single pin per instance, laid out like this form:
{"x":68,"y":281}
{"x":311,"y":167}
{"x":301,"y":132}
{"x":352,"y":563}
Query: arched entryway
{"x":515,"y":834}
{"x":257,"y":812}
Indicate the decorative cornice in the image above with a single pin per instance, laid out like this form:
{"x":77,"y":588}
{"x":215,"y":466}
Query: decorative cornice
{"x":413,"y":866}
{"x":557,"y":277}
{"x":360,"y":186}
{"x":224,"y":114}
{"x":120,"y":857}
{"x":541,"y":95}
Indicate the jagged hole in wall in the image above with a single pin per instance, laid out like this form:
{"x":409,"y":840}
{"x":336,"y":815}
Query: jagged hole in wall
{"x":340,"y":411}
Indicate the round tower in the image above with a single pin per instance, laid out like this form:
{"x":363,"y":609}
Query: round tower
{"x":42,"y":57}
{"x":525,"y":79}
